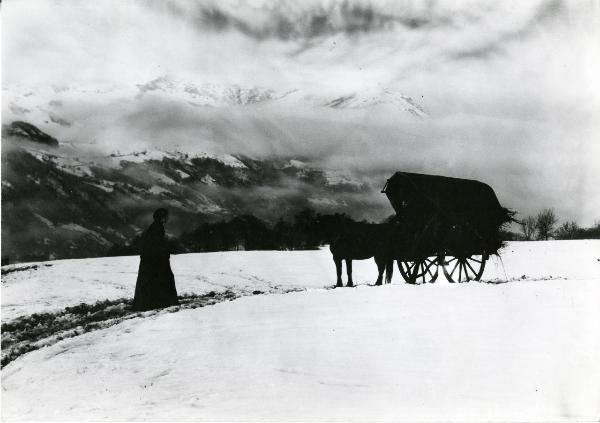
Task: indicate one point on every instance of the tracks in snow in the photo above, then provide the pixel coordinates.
(29, 333)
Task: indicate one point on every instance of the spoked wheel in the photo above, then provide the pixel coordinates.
(420, 271)
(464, 268)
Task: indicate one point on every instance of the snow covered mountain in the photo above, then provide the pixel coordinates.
(28, 132)
(66, 202)
(385, 98)
(235, 95)
(49, 107)
(124, 150)
(205, 94)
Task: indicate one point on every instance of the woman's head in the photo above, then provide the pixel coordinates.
(160, 215)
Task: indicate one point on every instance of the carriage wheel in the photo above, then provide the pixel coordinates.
(420, 271)
(464, 268)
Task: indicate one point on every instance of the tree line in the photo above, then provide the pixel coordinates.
(308, 229)
(543, 226)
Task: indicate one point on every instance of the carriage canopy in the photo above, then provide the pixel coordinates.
(415, 195)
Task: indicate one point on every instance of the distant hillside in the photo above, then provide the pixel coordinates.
(28, 132)
(56, 203)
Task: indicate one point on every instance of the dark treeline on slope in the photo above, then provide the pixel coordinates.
(544, 226)
(568, 230)
(310, 230)
(307, 230)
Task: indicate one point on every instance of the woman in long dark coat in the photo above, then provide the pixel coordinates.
(155, 287)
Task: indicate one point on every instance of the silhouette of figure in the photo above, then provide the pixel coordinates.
(155, 286)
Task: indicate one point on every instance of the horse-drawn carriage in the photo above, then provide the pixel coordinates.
(441, 221)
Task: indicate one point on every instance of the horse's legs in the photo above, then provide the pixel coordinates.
(389, 271)
(349, 272)
(338, 269)
(380, 268)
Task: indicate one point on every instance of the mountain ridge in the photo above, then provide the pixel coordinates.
(57, 203)
(51, 107)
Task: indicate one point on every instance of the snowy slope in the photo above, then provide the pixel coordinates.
(385, 98)
(524, 350)
(205, 94)
(47, 289)
(111, 195)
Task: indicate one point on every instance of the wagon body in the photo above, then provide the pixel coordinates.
(440, 216)
(457, 200)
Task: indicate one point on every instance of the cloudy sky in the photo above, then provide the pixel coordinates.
(510, 88)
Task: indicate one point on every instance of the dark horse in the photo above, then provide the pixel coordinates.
(361, 241)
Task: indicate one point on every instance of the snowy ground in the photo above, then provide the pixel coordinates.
(524, 350)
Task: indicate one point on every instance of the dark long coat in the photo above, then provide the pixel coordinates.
(155, 287)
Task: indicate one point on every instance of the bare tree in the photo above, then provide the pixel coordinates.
(568, 230)
(528, 228)
(544, 223)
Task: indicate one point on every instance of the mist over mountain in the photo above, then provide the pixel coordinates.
(207, 152)
(60, 203)
(140, 94)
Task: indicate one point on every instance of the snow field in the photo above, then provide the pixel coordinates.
(70, 282)
(467, 353)
(525, 350)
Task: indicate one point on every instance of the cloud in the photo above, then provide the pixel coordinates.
(283, 21)
(549, 10)
(512, 90)
(316, 44)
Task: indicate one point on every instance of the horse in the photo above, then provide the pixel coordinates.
(361, 241)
